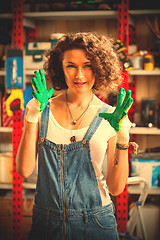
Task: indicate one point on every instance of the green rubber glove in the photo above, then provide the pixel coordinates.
(123, 105)
(40, 89)
(41, 97)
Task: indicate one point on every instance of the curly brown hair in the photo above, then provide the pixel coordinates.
(99, 50)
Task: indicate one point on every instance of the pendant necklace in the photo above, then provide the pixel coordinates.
(74, 121)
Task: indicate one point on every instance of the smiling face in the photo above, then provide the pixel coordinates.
(77, 70)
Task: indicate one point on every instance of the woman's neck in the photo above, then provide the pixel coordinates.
(79, 100)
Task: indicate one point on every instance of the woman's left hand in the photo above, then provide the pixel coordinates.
(115, 119)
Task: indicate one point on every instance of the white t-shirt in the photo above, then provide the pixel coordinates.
(98, 146)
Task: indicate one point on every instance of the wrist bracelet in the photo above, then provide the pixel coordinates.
(122, 146)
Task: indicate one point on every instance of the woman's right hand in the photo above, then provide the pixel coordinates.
(41, 95)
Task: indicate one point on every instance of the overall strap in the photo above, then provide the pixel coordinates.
(44, 121)
(95, 123)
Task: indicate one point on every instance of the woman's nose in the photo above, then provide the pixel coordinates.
(79, 74)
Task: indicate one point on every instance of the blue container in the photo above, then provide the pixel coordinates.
(147, 166)
(14, 68)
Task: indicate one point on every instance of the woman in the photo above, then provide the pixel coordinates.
(71, 139)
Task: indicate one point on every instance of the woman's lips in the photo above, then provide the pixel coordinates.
(80, 83)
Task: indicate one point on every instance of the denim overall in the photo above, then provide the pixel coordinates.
(67, 199)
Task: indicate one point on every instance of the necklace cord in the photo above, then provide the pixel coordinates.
(75, 121)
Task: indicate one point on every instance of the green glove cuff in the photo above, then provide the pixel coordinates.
(33, 113)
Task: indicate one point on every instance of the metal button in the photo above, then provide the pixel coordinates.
(42, 139)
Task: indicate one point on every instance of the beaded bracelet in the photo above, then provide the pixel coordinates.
(122, 146)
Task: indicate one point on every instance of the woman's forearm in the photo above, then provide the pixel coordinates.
(27, 150)
(118, 175)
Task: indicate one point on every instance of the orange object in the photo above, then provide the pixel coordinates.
(148, 62)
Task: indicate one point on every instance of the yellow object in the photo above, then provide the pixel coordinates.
(148, 62)
(6, 167)
(15, 94)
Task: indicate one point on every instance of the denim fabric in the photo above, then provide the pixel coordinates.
(67, 198)
(89, 224)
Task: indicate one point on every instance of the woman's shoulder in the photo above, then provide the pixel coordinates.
(100, 103)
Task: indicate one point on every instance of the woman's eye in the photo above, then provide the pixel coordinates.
(87, 66)
(70, 66)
